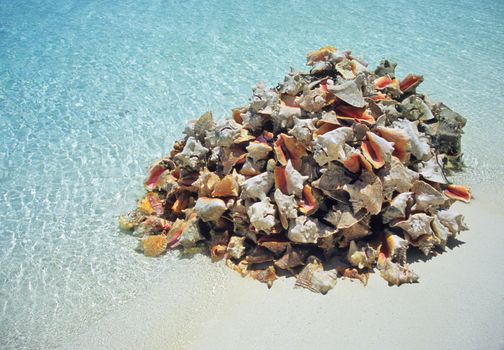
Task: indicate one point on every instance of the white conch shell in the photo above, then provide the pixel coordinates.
(397, 208)
(225, 133)
(303, 230)
(294, 180)
(384, 147)
(432, 171)
(419, 146)
(398, 178)
(192, 156)
(366, 193)
(330, 146)
(209, 209)
(418, 231)
(363, 257)
(414, 108)
(258, 150)
(314, 278)
(236, 247)
(396, 246)
(262, 215)
(452, 220)
(198, 128)
(303, 130)
(257, 187)
(349, 91)
(285, 117)
(263, 100)
(441, 232)
(394, 273)
(313, 100)
(287, 207)
(206, 183)
(427, 197)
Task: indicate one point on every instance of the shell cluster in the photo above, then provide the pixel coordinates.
(333, 173)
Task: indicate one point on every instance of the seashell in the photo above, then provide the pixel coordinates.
(333, 179)
(385, 67)
(191, 233)
(397, 207)
(431, 170)
(244, 137)
(225, 134)
(155, 172)
(285, 116)
(236, 247)
(346, 68)
(314, 278)
(192, 156)
(274, 246)
(227, 187)
(366, 193)
(356, 161)
(303, 230)
(313, 100)
(441, 232)
(396, 178)
(263, 101)
(154, 245)
(426, 197)
(209, 209)
(308, 204)
(347, 272)
(257, 187)
(377, 150)
(198, 128)
(303, 130)
(151, 204)
(267, 276)
(394, 247)
(414, 108)
(418, 231)
(180, 203)
(400, 140)
(206, 183)
(218, 252)
(260, 255)
(287, 207)
(253, 121)
(131, 221)
(363, 257)
(394, 273)
(291, 259)
(293, 84)
(152, 225)
(358, 115)
(457, 192)
(349, 91)
(386, 82)
(410, 82)
(418, 144)
(359, 230)
(321, 54)
(330, 146)
(343, 217)
(262, 215)
(176, 230)
(287, 148)
(452, 220)
(232, 156)
(289, 180)
(241, 267)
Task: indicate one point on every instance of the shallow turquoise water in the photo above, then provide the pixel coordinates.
(91, 92)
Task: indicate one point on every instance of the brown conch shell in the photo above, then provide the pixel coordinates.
(314, 278)
(363, 256)
(309, 203)
(410, 82)
(319, 55)
(427, 198)
(400, 140)
(267, 276)
(228, 186)
(394, 247)
(206, 183)
(397, 178)
(397, 207)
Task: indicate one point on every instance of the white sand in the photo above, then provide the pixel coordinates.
(459, 303)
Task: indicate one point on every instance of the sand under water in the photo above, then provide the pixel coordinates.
(92, 92)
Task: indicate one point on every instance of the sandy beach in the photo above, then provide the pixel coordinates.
(458, 303)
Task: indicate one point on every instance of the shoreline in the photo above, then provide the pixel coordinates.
(458, 303)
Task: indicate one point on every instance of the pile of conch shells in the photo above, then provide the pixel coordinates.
(333, 173)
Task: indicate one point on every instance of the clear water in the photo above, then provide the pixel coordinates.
(92, 91)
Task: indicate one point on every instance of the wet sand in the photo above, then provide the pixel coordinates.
(459, 303)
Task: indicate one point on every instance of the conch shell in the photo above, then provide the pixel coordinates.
(377, 150)
(366, 193)
(287, 207)
(262, 215)
(210, 209)
(397, 207)
(427, 198)
(236, 247)
(394, 273)
(330, 146)
(457, 192)
(258, 186)
(363, 257)
(314, 278)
